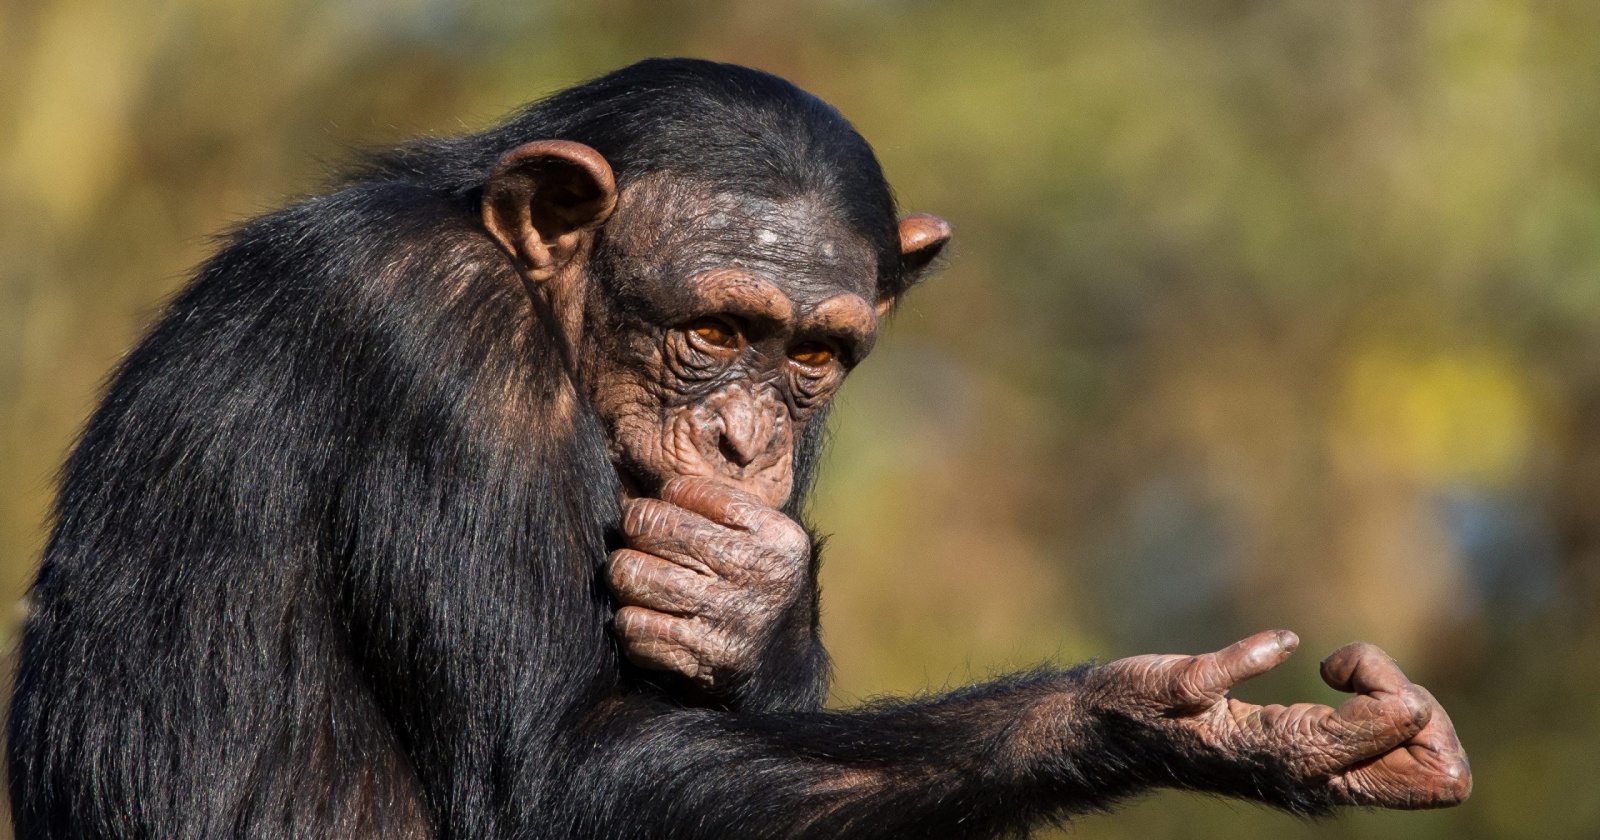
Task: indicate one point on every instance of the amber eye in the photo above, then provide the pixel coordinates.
(812, 354)
(716, 333)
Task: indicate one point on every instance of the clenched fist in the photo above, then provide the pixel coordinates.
(709, 578)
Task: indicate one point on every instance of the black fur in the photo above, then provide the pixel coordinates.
(325, 560)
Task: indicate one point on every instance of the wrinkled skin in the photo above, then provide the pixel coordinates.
(708, 572)
(742, 327)
(740, 332)
(1391, 746)
(719, 327)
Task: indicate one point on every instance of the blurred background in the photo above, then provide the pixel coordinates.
(1259, 314)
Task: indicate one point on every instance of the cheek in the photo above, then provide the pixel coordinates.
(688, 440)
(809, 393)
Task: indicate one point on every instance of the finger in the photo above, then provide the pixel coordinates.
(657, 641)
(1369, 725)
(728, 506)
(645, 580)
(1364, 669)
(655, 517)
(1389, 710)
(1429, 771)
(1399, 780)
(666, 530)
(1439, 736)
(721, 503)
(1250, 658)
(1321, 741)
(1205, 678)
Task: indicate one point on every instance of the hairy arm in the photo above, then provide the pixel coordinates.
(997, 759)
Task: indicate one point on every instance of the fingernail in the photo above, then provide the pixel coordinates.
(1287, 641)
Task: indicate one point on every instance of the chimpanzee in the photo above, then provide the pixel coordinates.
(463, 502)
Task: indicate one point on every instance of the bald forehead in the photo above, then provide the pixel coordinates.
(676, 228)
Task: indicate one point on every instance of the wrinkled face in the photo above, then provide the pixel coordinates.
(728, 322)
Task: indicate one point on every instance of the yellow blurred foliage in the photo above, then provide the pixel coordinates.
(1462, 418)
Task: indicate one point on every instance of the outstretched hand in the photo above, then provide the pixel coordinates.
(1390, 746)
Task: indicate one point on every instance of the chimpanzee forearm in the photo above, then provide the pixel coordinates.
(794, 679)
(988, 761)
(588, 757)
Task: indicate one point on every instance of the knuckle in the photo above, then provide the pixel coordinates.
(1416, 705)
(1192, 683)
(733, 560)
(1459, 787)
(1367, 652)
(622, 568)
(788, 536)
(787, 577)
(773, 574)
(717, 649)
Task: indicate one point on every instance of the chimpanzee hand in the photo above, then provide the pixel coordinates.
(1391, 746)
(709, 575)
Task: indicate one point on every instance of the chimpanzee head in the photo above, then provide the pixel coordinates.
(716, 248)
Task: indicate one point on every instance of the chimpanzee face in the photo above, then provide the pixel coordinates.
(708, 325)
(723, 323)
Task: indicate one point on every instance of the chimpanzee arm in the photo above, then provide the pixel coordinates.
(960, 766)
(999, 758)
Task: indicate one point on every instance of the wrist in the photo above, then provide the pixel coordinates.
(1096, 747)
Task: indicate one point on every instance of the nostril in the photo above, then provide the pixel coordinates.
(744, 434)
(739, 453)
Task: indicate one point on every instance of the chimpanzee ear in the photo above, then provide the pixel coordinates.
(922, 237)
(541, 200)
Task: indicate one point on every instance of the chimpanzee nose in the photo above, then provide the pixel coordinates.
(746, 429)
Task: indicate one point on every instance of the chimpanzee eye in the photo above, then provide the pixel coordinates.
(812, 354)
(719, 334)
